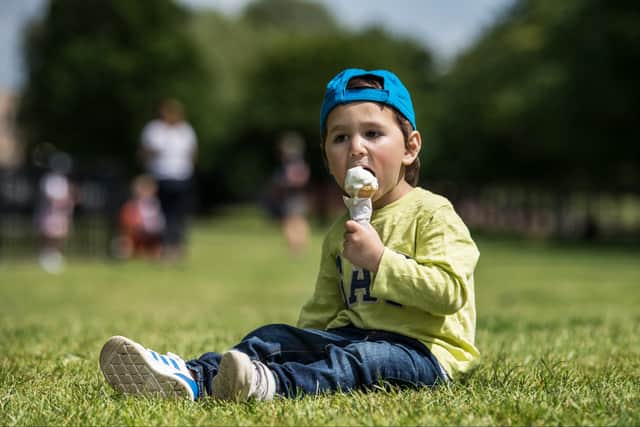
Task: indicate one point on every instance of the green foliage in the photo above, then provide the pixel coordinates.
(549, 88)
(295, 15)
(557, 328)
(97, 69)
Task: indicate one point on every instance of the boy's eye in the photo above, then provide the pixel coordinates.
(372, 134)
(340, 138)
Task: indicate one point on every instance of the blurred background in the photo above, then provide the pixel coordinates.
(528, 108)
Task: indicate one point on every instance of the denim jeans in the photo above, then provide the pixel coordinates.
(312, 361)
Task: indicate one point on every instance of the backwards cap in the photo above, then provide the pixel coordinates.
(393, 93)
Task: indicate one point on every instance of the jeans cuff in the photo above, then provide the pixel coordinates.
(199, 377)
(279, 390)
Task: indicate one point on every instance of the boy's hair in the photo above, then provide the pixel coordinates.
(369, 81)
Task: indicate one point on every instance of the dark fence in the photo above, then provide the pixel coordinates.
(545, 213)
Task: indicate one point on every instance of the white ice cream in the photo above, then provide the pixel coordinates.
(360, 184)
(357, 178)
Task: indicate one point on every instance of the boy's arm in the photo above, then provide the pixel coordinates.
(436, 280)
(326, 301)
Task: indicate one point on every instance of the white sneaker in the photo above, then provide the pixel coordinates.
(132, 369)
(240, 378)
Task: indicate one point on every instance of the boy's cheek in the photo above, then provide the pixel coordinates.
(337, 174)
(339, 183)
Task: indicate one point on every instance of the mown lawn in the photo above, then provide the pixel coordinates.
(558, 327)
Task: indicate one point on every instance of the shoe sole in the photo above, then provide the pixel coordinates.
(232, 381)
(123, 365)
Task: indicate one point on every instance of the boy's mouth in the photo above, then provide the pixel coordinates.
(367, 168)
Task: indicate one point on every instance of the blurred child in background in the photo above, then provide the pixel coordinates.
(286, 194)
(141, 221)
(54, 212)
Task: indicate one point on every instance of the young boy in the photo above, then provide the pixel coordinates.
(405, 316)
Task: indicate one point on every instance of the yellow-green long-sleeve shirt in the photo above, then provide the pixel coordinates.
(424, 286)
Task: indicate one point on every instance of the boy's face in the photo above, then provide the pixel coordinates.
(367, 134)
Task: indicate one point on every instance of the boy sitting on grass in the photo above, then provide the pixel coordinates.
(404, 316)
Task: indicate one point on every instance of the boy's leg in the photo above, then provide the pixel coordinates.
(360, 365)
(277, 343)
(308, 361)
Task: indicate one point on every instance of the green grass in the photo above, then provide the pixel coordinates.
(558, 329)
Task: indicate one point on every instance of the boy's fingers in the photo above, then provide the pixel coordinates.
(351, 226)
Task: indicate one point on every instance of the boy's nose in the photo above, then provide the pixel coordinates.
(357, 147)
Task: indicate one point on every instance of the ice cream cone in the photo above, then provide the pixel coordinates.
(360, 182)
(366, 192)
(361, 185)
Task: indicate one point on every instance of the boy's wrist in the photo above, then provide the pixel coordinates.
(376, 266)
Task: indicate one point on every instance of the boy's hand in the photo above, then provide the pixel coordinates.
(362, 245)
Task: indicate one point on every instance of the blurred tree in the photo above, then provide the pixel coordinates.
(96, 70)
(295, 15)
(232, 47)
(227, 47)
(547, 97)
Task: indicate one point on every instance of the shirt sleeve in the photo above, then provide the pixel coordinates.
(326, 301)
(437, 279)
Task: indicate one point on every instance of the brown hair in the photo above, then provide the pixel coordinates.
(171, 110)
(412, 172)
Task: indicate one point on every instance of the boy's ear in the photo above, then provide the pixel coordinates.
(412, 148)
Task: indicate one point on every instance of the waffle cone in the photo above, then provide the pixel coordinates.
(366, 192)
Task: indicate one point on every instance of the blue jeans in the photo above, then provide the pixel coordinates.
(312, 361)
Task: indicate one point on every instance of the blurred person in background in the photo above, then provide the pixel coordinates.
(168, 150)
(286, 197)
(141, 221)
(54, 212)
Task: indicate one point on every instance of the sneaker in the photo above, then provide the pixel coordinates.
(132, 369)
(240, 378)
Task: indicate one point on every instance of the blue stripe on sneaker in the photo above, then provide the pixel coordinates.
(164, 360)
(192, 384)
(173, 362)
(154, 354)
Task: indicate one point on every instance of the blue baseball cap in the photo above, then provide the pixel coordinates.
(393, 93)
